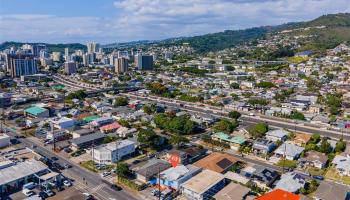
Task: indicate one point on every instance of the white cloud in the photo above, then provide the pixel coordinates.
(157, 19)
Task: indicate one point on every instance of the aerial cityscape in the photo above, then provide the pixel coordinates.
(175, 100)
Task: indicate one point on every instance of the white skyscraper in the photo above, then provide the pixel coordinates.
(66, 54)
(92, 47)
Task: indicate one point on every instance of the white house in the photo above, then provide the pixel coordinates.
(342, 164)
(113, 152)
(278, 134)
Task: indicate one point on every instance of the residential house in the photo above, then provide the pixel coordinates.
(263, 146)
(234, 141)
(301, 139)
(342, 164)
(291, 182)
(81, 132)
(289, 151)
(278, 194)
(332, 191)
(275, 135)
(232, 191)
(218, 162)
(262, 176)
(203, 186)
(315, 159)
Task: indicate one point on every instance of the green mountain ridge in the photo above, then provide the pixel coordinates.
(337, 30)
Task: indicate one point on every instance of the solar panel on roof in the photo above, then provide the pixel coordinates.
(224, 163)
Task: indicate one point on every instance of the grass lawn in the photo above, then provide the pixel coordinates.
(315, 171)
(287, 163)
(89, 165)
(333, 175)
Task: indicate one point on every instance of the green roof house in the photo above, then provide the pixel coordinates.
(234, 141)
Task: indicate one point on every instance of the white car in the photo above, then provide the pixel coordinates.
(67, 183)
(104, 174)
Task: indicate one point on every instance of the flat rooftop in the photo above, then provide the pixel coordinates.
(20, 170)
(203, 181)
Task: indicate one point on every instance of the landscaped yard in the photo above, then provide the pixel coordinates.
(287, 163)
(333, 175)
(315, 171)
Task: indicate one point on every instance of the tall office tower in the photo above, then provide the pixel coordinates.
(144, 62)
(121, 65)
(92, 57)
(44, 54)
(112, 58)
(36, 48)
(70, 67)
(92, 47)
(20, 64)
(66, 55)
(86, 60)
(56, 56)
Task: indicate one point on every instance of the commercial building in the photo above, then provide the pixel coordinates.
(20, 64)
(37, 112)
(14, 175)
(174, 177)
(113, 152)
(4, 140)
(5, 100)
(144, 62)
(121, 65)
(70, 67)
(149, 169)
(203, 186)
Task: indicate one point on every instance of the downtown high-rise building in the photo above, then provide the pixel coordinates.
(144, 62)
(20, 64)
(121, 65)
(92, 47)
(66, 54)
(70, 67)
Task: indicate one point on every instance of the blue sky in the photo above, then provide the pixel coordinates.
(107, 21)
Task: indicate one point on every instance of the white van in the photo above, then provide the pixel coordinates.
(27, 192)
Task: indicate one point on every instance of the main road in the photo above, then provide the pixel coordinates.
(87, 181)
(203, 109)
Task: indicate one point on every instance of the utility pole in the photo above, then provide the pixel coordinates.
(159, 181)
(117, 157)
(284, 157)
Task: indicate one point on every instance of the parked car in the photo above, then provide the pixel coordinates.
(115, 187)
(49, 193)
(43, 195)
(67, 183)
(54, 158)
(67, 166)
(318, 177)
(104, 174)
